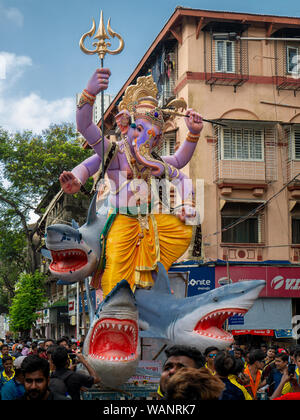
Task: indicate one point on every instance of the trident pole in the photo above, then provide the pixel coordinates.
(101, 49)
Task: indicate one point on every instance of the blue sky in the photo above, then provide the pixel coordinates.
(42, 67)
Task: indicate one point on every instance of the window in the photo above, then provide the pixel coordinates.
(242, 144)
(291, 59)
(169, 142)
(296, 230)
(225, 62)
(295, 215)
(246, 232)
(294, 143)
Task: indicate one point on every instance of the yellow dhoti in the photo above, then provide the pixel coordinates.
(132, 257)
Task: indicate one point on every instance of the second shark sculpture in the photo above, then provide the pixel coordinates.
(112, 343)
(198, 320)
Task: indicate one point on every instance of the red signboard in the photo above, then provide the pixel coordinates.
(281, 282)
(268, 333)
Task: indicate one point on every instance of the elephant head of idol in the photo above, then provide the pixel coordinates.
(142, 121)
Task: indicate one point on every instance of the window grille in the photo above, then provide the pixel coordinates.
(168, 147)
(245, 151)
(163, 67)
(287, 65)
(292, 54)
(292, 139)
(224, 56)
(225, 61)
(251, 230)
(242, 144)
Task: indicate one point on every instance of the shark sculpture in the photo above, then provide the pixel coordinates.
(74, 250)
(195, 320)
(112, 345)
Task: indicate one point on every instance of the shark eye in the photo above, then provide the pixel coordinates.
(215, 299)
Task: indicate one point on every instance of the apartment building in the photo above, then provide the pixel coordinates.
(243, 71)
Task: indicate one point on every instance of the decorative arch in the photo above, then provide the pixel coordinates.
(296, 118)
(170, 125)
(240, 114)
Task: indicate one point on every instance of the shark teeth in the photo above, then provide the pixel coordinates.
(68, 260)
(113, 358)
(114, 340)
(211, 325)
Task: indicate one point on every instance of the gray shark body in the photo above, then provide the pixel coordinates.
(75, 251)
(112, 344)
(195, 320)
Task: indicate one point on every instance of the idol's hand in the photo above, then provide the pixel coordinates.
(99, 81)
(193, 121)
(186, 213)
(69, 183)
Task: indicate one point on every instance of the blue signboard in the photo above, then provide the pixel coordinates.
(201, 279)
(93, 297)
(283, 333)
(236, 320)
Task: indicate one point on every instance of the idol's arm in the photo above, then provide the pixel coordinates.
(185, 153)
(84, 114)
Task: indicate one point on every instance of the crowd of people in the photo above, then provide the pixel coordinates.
(240, 373)
(57, 370)
(44, 370)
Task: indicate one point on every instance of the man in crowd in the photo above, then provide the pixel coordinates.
(73, 381)
(178, 357)
(4, 352)
(254, 371)
(275, 376)
(14, 389)
(210, 355)
(36, 372)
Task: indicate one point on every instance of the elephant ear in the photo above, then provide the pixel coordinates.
(123, 120)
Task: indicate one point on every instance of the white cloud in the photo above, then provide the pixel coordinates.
(11, 14)
(30, 112)
(34, 113)
(12, 68)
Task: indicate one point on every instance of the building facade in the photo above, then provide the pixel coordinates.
(243, 71)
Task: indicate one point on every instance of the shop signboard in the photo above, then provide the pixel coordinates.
(281, 282)
(201, 279)
(265, 333)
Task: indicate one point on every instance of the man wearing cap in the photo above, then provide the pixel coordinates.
(14, 388)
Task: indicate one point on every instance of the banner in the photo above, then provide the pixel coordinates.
(201, 279)
(268, 333)
(282, 282)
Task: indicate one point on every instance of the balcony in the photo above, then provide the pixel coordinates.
(287, 63)
(225, 59)
(245, 153)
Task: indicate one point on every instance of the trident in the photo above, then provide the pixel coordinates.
(101, 48)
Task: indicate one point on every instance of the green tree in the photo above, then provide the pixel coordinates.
(31, 165)
(29, 298)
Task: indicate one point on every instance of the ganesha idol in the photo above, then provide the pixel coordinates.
(138, 237)
(128, 243)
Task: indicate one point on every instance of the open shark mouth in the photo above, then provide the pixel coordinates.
(211, 325)
(115, 340)
(68, 260)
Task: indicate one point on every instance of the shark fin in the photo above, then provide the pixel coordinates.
(92, 214)
(162, 281)
(46, 253)
(75, 225)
